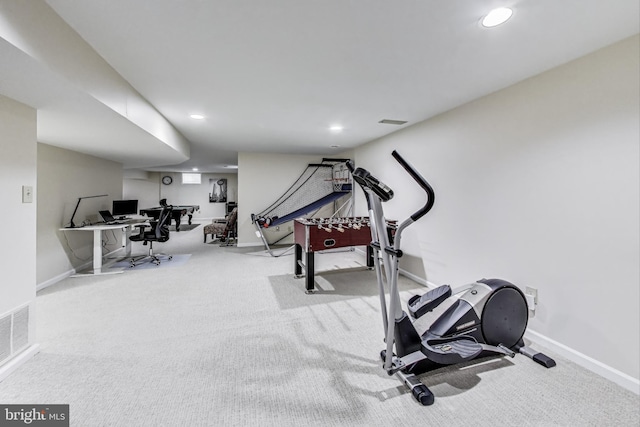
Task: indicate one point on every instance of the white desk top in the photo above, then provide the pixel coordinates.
(103, 226)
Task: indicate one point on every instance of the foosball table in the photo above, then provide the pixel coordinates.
(318, 234)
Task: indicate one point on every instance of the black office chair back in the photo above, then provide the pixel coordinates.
(162, 226)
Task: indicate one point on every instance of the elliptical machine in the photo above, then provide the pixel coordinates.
(489, 317)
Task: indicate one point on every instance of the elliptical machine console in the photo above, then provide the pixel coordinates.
(489, 317)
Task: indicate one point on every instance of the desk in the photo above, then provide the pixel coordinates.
(97, 230)
(177, 213)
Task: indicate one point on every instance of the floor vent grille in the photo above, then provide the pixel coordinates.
(5, 338)
(14, 333)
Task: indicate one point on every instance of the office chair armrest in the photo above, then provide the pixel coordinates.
(141, 227)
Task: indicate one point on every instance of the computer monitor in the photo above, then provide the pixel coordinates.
(125, 207)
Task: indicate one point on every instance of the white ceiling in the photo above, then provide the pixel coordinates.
(273, 76)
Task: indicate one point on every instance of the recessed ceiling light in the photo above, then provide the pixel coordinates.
(335, 146)
(231, 166)
(194, 169)
(497, 16)
(197, 116)
(336, 128)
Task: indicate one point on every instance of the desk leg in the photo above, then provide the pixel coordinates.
(123, 237)
(97, 251)
(98, 267)
(177, 223)
(126, 243)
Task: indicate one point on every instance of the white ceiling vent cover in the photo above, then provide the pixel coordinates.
(392, 122)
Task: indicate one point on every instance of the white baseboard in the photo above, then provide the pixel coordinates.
(250, 245)
(54, 280)
(18, 360)
(87, 265)
(415, 278)
(620, 378)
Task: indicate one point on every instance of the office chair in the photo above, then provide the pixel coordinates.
(158, 232)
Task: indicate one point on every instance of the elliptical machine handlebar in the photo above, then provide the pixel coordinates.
(431, 196)
(364, 178)
(350, 166)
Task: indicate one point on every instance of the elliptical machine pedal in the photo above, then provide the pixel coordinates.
(452, 350)
(418, 305)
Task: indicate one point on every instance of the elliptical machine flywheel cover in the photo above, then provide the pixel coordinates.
(505, 317)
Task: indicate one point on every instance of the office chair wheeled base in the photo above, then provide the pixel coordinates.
(154, 258)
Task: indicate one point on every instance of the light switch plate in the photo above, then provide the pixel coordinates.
(27, 194)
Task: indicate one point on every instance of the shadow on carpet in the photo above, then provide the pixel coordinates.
(177, 260)
(331, 286)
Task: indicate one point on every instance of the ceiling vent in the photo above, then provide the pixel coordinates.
(392, 122)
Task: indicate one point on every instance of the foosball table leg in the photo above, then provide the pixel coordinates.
(310, 271)
(297, 268)
(307, 266)
(370, 262)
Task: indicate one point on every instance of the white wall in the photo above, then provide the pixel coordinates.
(148, 190)
(537, 184)
(17, 168)
(38, 31)
(262, 179)
(63, 177)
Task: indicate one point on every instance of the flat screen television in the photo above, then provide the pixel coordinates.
(125, 207)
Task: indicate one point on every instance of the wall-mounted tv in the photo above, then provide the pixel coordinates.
(125, 207)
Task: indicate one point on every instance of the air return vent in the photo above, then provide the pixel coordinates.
(20, 338)
(392, 122)
(5, 338)
(14, 333)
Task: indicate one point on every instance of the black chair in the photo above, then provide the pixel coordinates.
(157, 231)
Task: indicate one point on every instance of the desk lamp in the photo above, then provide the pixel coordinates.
(71, 224)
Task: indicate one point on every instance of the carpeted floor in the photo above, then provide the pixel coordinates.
(231, 339)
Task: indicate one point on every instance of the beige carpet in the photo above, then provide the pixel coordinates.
(230, 339)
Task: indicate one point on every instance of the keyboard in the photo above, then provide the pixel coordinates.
(121, 221)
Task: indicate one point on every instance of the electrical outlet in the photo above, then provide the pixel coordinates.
(531, 295)
(533, 292)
